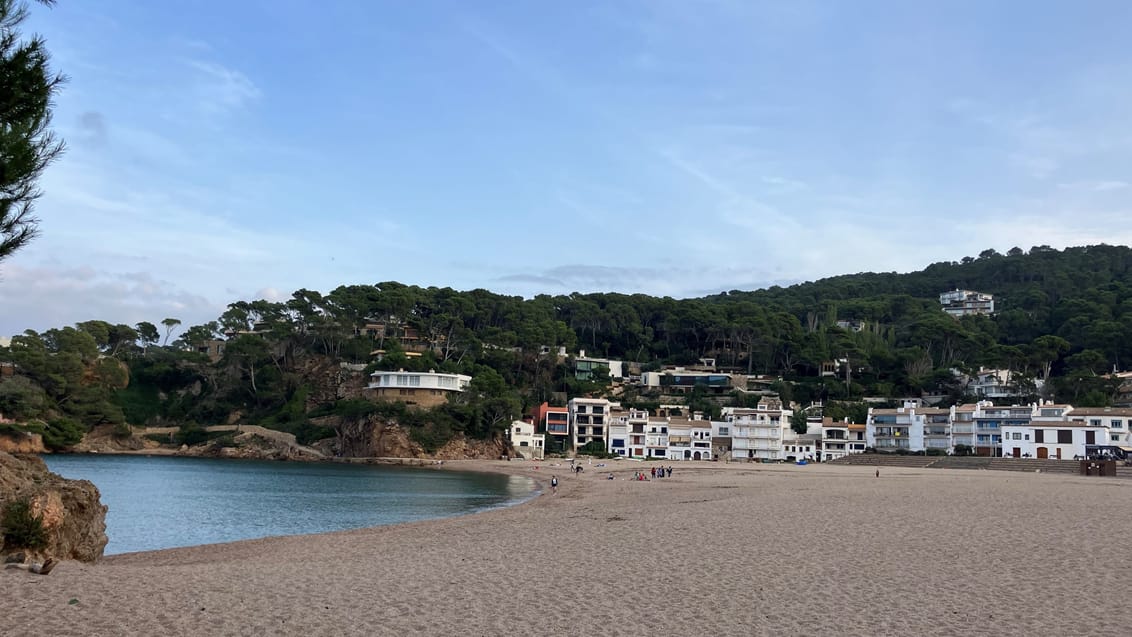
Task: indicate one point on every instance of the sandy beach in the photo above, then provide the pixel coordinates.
(716, 549)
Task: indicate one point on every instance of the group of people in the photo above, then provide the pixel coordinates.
(655, 472)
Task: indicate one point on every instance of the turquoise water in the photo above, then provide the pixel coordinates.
(162, 502)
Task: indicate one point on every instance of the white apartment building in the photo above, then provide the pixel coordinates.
(963, 425)
(525, 441)
(989, 421)
(589, 420)
(757, 434)
(909, 428)
(839, 439)
(1118, 421)
(998, 384)
(959, 303)
(689, 439)
(656, 437)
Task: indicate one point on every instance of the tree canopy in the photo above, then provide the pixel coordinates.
(1063, 318)
(27, 144)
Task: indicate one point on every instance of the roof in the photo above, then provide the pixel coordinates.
(1060, 424)
(1101, 411)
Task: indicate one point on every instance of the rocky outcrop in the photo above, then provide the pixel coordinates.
(22, 442)
(104, 439)
(254, 443)
(460, 448)
(371, 437)
(375, 437)
(70, 511)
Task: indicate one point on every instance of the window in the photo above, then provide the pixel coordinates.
(1095, 422)
(1017, 435)
(1039, 435)
(1090, 437)
(1116, 424)
(1064, 436)
(724, 431)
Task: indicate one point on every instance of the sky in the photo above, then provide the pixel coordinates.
(221, 151)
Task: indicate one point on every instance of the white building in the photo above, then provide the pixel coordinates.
(965, 302)
(839, 439)
(589, 420)
(757, 434)
(585, 366)
(1000, 384)
(963, 425)
(689, 439)
(525, 441)
(989, 421)
(627, 434)
(909, 428)
(425, 389)
(1117, 420)
(1061, 440)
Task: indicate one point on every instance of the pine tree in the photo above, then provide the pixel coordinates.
(27, 144)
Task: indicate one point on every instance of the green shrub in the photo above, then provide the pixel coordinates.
(21, 528)
(62, 432)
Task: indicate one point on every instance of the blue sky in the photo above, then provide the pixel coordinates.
(221, 151)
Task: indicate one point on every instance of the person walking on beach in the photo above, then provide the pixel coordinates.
(554, 484)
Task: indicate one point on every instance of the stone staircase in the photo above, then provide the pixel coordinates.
(885, 460)
(1030, 465)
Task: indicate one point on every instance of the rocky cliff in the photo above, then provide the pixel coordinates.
(72, 516)
(376, 437)
(21, 442)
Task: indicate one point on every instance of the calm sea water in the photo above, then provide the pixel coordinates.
(162, 502)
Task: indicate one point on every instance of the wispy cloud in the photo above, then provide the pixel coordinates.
(1095, 185)
(220, 89)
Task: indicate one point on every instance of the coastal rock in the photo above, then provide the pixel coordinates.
(254, 443)
(460, 448)
(71, 512)
(24, 442)
(375, 437)
(104, 439)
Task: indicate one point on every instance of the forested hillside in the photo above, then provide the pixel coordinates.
(1062, 316)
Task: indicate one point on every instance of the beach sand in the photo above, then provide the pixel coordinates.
(717, 549)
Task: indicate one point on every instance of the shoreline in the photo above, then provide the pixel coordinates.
(715, 549)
